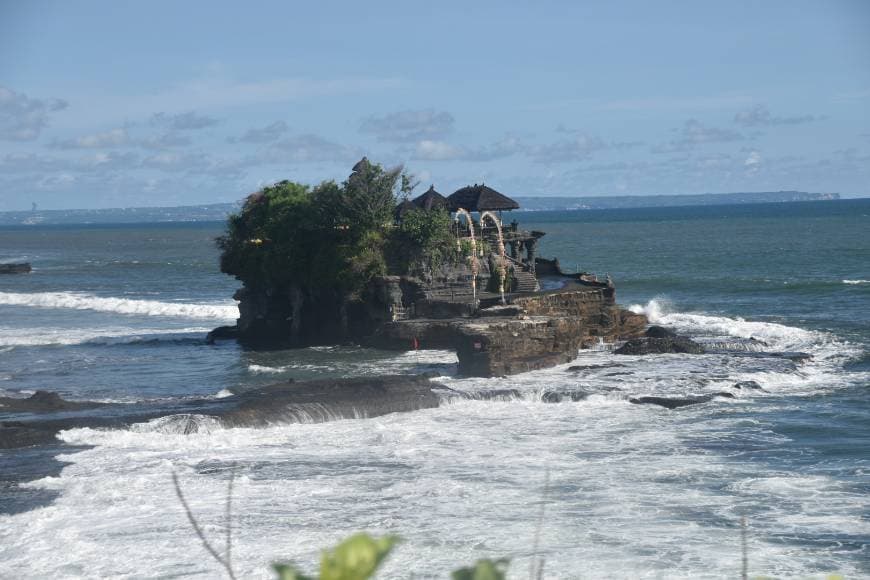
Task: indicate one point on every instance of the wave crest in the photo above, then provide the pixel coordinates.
(80, 301)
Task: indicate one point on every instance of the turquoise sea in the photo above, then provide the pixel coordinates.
(119, 313)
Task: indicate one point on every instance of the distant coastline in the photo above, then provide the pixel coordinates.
(219, 211)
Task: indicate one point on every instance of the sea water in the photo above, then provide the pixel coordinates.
(595, 488)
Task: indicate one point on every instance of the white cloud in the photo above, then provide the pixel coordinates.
(694, 133)
(437, 151)
(115, 138)
(164, 141)
(187, 121)
(409, 126)
(307, 148)
(267, 134)
(23, 118)
(760, 116)
(106, 139)
(575, 149)
(753, 159)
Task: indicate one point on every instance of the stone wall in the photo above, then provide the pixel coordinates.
(542, 331)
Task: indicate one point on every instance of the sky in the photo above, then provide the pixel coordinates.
(162, 103)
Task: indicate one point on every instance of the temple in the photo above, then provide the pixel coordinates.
(480, 289)
(503, 259)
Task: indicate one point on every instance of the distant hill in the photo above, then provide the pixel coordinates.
(636, 201)
(187, 213)
(219, 211)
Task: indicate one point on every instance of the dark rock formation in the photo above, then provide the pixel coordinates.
(43, 402)
(559, 396)
(749, 385)
(487, 395)
(22, 268)
(327, 399)
(675, 345)
(222, 333)
(552, 328)
(676, 402)
(659, 332)
(290, 401)
(795, 357)
(578, 368)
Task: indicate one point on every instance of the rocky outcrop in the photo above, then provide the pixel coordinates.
(535, 332)
(677, 402)
(670, 345)
(328, 399)
(748, 385)
(43, 402)
(655, 331)
(288, 402)
(21, 268)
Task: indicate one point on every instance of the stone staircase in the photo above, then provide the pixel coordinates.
(524, 281)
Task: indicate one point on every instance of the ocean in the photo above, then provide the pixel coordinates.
(595, 488)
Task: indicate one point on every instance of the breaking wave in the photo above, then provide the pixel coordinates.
(81, 301)
(856, 281)
(10, 339)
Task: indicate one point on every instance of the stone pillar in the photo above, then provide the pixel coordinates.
(515, 251)
(531, 246)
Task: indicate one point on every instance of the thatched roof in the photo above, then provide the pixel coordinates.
(480, 198)
(429, 200)
(404, 207)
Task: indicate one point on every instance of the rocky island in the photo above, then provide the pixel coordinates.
(346, 262)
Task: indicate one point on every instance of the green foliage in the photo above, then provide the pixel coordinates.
(356, 558)
(483, 570)
(423, 237)
(326, 241)
(368, 198)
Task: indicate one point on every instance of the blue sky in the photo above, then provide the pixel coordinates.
(117, 104)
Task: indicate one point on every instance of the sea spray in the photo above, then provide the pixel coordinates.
(82, 301)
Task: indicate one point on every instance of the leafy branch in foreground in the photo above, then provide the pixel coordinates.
(356, 558)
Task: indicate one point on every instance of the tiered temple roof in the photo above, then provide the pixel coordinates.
(430, 200)
(480, 198)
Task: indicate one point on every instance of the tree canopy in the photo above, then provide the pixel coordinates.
(332, 238)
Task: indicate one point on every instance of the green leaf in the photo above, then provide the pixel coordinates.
(483, 570)
(356, 558)
(288, 572)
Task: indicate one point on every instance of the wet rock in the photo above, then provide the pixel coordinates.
(289, 401)
(795, 357)
(329, 399)
(677, 402)
(22, 268)
(222, 333)
(659, 332)
(43, 402)
(672, 345)
(578, 368)
(749, 385)
(559, 396)
(490, 395)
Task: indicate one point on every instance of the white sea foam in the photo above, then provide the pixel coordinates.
(45, 336)
(635, 491)
(82, 301)
(659, 311)
(856, 281)
(629, 495)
